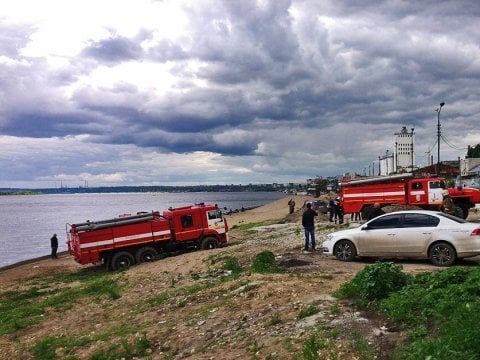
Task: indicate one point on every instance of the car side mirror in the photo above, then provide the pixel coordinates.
(366, 227)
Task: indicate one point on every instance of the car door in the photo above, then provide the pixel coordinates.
(415, 234)
(378, 237)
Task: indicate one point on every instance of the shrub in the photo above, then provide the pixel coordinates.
(231, 263)
(264, 262)
(373, 283)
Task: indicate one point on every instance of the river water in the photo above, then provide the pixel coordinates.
(27, 222)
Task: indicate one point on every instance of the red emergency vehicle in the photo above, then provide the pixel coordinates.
(404, 189)
(123, 241)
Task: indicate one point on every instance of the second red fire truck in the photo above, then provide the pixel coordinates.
(404, 189)
(123, 241)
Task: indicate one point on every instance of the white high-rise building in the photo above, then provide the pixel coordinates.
(404, 151)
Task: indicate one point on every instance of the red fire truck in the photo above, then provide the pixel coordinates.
(404, 189)
(123, 241)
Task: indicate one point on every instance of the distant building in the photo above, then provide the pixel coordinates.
(404, 156)
(469, 166)
(386, 164)
(444, 170)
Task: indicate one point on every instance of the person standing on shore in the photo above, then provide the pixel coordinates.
(291, 206)
(54, 246)
(308, 222)
(331, 210)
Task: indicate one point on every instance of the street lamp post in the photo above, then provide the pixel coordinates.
(439, 133)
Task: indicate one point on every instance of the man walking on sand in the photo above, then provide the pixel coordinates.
(308, 223)
(291, 206)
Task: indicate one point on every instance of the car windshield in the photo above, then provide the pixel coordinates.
(453, 218)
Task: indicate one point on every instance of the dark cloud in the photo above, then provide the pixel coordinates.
(279, 86)
(44, 125)
(114, 50)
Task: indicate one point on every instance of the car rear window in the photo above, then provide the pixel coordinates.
(420, 220)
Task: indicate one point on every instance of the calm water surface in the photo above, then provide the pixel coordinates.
(28, 222)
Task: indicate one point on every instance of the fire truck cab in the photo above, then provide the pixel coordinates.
(426, 191)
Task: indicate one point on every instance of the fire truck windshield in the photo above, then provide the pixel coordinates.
(215, 214)
(440, 184)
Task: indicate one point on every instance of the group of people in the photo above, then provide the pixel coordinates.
(335, 211)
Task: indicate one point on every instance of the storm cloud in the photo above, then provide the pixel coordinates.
(212, 92)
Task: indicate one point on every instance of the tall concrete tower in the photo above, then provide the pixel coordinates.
(404, 151)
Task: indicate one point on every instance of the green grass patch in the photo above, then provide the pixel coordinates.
(46, 347)
(125, 349)
(230, 263)
(23, 308)
(250, 226)
(49, 347)
(264, 262)
(307, 311)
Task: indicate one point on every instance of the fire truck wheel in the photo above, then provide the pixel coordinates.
(122, 260)
(442, 254)
(345, 250)
(146, 254)
(209, 243)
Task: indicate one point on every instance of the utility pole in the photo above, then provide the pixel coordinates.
(439, 134)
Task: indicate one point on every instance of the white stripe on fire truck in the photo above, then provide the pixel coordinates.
(123, 238)
(374, 194)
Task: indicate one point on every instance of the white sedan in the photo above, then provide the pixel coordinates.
(433, 235)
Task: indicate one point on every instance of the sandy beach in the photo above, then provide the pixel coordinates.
(276, 210)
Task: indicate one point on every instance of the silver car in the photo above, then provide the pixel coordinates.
(422, 234)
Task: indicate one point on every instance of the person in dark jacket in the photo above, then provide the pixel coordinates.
(291, 206)
(374, 211)
(331, 210)
(338, 210)
(308, 223)
(54, 246)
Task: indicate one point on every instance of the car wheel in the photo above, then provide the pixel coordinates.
(442, 254)
(345, 250)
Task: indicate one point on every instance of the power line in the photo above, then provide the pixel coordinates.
(452, 146)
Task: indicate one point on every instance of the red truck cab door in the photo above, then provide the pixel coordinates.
(188, 226)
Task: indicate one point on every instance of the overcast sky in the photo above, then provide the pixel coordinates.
(121, 92)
